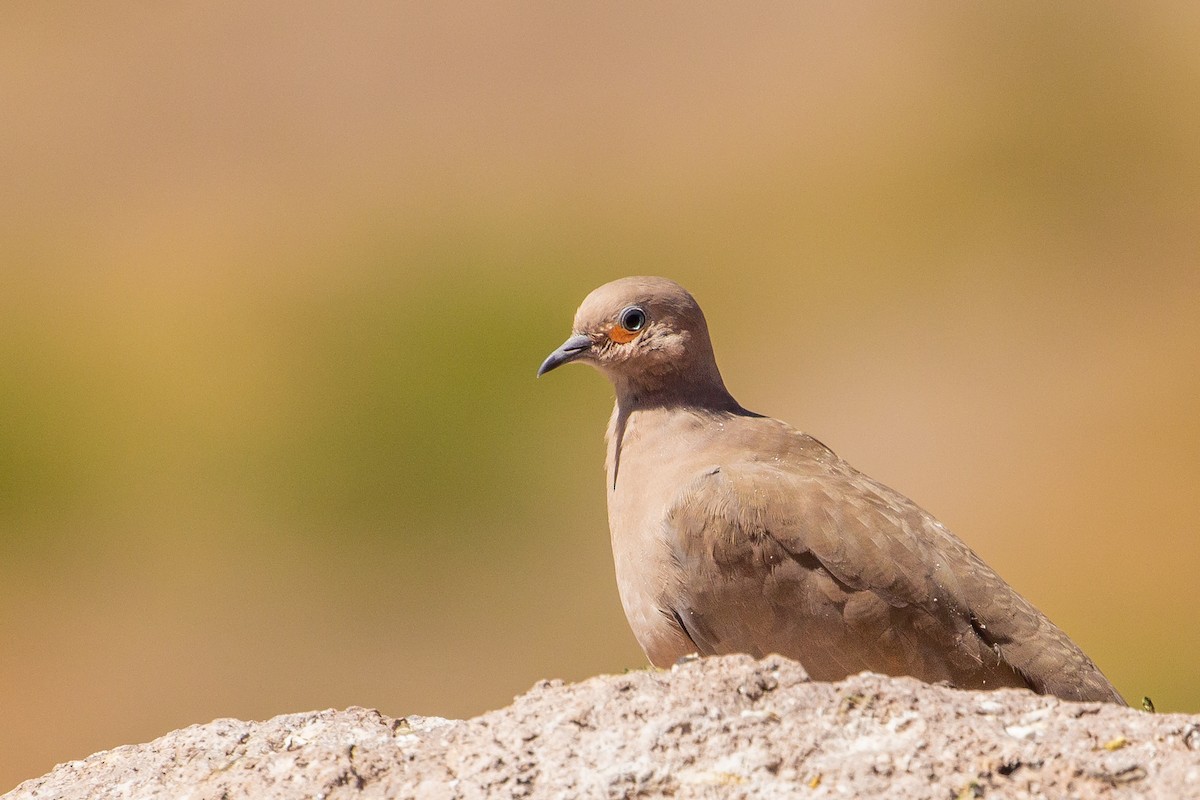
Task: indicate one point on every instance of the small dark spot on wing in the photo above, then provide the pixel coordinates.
(674, 615)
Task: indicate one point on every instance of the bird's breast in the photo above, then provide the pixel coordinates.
(647, 460)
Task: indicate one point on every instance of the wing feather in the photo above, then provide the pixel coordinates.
(812, 559)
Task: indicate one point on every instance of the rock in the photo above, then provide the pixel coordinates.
(729, 727)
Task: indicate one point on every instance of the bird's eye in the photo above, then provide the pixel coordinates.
(632, 319)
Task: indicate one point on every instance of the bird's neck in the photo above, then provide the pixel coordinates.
(699, 390)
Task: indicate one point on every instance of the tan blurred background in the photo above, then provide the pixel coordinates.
(274, 282)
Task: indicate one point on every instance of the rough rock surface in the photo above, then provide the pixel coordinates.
(726, 727)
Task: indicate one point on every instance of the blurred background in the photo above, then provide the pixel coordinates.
(275, 280)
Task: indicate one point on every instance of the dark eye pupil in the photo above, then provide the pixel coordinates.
(633, 319)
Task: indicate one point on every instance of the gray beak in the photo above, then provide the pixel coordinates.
(575, 347)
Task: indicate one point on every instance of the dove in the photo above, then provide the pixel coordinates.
(733, 532)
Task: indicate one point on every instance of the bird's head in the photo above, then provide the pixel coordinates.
(648, 336)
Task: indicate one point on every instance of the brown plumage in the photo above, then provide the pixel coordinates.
(734, 532)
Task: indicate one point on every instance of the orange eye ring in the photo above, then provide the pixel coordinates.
(621, 335)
